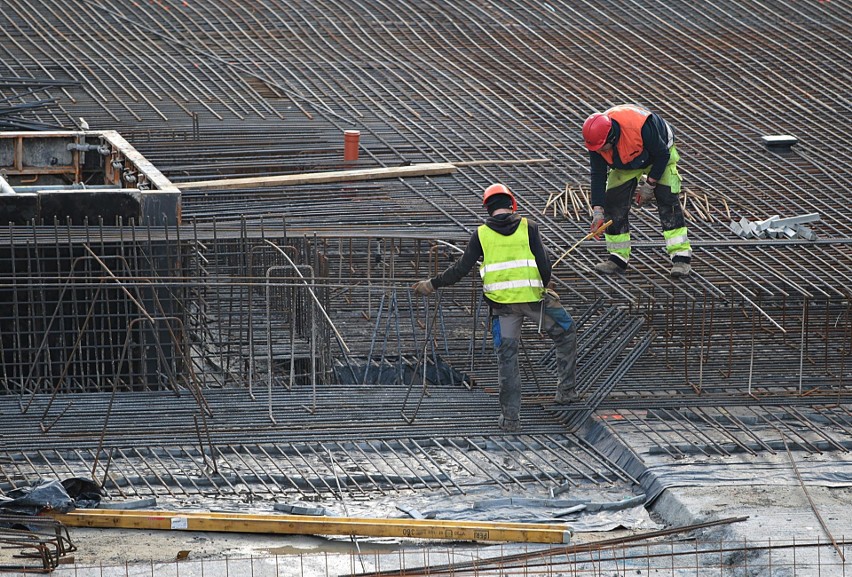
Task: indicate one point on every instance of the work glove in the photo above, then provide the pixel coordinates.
(645, 192)
(423, 287)
(643, 195)
(597, 220)
(550, 289)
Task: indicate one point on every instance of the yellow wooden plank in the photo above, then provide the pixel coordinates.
(279, 516)
(307, 525)
(426, 169)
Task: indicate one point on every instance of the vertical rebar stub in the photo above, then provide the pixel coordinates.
(350, 144)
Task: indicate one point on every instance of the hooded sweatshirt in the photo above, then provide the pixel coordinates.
(505, 224)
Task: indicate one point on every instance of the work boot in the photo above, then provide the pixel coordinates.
(608, 267)
(566, 397)
(680, 269)
(507, 425)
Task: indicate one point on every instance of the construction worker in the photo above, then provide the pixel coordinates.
(626, 143)
(515, 271)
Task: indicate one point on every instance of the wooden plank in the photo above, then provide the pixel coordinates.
(428, 169)
(501, 162)
(509, 532)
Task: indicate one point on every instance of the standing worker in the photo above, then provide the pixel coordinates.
(625, 143)
(515, 271)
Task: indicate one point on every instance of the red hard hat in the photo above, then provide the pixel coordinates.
(499, 189)
(595, 130)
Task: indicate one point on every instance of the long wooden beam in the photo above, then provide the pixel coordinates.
(307, 525)
(428, 169)
(424, 169)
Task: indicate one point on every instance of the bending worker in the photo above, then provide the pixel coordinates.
(625, 143)
(515, 271)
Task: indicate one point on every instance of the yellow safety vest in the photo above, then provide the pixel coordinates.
(509, 272)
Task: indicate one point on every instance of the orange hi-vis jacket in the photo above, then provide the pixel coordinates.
(630, 145)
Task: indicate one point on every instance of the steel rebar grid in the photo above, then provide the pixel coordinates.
(194, 61)
(222, 275)
(707, 326)
(366, 462)
(214, 279)
(781, 269)
(696, 558)
(412, 104)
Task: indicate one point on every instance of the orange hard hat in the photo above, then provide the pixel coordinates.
(595, 130)
(496, 189)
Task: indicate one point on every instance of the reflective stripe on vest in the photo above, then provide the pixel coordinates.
(511, 284)
(630, 145)
(506, 278)
(504, 265)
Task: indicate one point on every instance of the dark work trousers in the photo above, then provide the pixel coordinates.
(506, 331)
(617, 207)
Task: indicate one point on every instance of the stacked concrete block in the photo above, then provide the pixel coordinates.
(776, 227)
(805, 233)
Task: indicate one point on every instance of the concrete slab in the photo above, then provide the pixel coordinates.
(779, 515)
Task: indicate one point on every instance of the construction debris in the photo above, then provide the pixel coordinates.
(776, 227)
(293, 509)
(33, 544)
(558, 203)
(129, 504)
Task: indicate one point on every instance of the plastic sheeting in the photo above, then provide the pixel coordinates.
(42, 495)
(580, 514)
(656, 473)
(774, 470)
(51, 495)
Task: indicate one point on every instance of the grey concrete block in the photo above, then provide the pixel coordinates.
(779, 140)
(413, 513)
(294, 509)
(736, 228)
(768, 223)
(129, 505)
(805, 233)
(794, 220)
